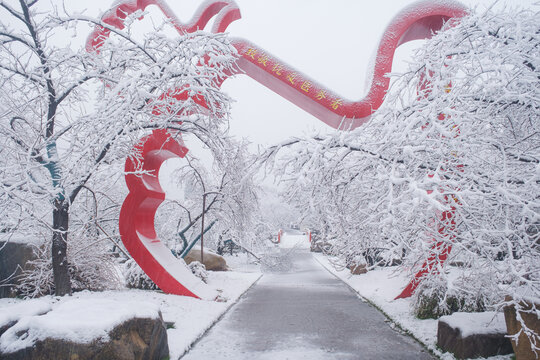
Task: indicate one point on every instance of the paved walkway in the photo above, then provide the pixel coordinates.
(303, 313)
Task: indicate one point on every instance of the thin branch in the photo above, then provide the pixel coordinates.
(24, 75)
(13, 12)
(114, 30)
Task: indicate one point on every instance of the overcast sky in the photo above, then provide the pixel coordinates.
(331, 41)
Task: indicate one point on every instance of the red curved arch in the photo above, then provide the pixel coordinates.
(418, 21)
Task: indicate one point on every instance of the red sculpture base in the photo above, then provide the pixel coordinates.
(137, 227)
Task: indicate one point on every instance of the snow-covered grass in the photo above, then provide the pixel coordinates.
(86, 316)
(380, 287)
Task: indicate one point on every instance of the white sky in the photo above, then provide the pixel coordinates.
(329, 40)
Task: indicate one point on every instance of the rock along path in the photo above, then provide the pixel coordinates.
(303, 312)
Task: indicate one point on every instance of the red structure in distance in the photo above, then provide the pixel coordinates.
(418, 21)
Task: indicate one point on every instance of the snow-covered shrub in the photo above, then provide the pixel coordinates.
(436, 296)
(199, 270)
(89, 270)
(136, 278)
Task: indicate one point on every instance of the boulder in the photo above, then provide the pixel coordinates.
(14, 258)
(357, 264)
(320, 246)
(472, 335)
(212, 261)
(358, 269)
(135, 339)
(522, 347)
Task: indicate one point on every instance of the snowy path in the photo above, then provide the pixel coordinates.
(305, 313)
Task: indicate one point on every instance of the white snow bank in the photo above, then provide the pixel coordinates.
(380, 287)
(12, 310)
(75, 319)
(86, 316)
(489, 322)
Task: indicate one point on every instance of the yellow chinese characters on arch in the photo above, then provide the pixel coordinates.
(251, 53)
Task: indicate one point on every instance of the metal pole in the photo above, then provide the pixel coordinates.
(202, 227)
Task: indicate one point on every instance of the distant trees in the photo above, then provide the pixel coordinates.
(69, 118)
(458, 132)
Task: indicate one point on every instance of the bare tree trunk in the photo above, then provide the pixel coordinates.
(62, 280)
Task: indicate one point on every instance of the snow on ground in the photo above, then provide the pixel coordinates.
(380, 287)
(86, 316)
(242, 262)
(12, 309)
(294, 239)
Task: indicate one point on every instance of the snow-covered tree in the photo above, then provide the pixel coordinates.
(228, 191)
(69, 117)
(458, 135)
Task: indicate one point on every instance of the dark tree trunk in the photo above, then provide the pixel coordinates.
(62, 280)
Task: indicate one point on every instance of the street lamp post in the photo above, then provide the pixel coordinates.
(202, 220)
(202, 226)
